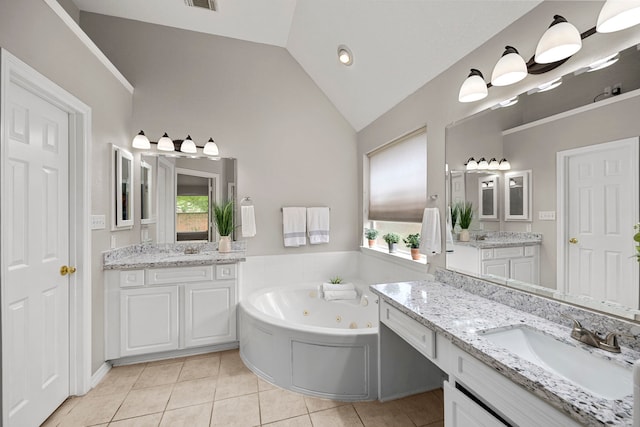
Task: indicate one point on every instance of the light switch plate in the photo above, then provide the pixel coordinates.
(547, 215)
(98, 222)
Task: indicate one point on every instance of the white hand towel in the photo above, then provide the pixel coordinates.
(338, 287)
(294, 227)
(430, 234)
(337, 295)
(248, 221)
(318, 225)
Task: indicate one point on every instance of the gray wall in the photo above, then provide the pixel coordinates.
(293, 147)
(30, 30)
(436, 103)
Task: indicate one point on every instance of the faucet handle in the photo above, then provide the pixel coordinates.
(576, 324)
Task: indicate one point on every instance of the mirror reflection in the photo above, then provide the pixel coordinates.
(567, 206)
(146, 186)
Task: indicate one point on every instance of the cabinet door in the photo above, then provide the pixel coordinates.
(498, 268)
(209, 313)
(461, 411)
(525, 269)
(148, 320)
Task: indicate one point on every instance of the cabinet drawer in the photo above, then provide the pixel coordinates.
(530, 250)
(225, 271)
(507, 252)
(486, 253)
(164, 276)
(129, 278)
(419, 336)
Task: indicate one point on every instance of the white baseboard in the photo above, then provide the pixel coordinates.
(100, 373)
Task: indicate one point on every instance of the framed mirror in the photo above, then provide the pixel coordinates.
(122, 188)
(146, 193)
(517, 196)
(488, 197)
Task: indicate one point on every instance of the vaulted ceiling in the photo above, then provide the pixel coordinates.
(397, 45)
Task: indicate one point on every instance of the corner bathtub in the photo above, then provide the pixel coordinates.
(294, 339)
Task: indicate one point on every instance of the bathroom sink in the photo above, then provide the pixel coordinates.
(597, 375)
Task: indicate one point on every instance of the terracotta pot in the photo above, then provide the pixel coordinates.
(415, 254)
(392, 247)
(372, 242)
(224, 245)
(464, 235)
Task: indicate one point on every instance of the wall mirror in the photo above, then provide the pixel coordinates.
(146, 193)
(122, 167)
(517, 196)
(488, 197)
(185, 191)
(535, 135)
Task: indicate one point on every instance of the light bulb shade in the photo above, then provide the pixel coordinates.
(510, 69)
(493, 164)
(474, 88)
(210, 148)
(165, 143)
(141, 141)
(188, 146)
(504, 165)
(618, 15)
(483, 164)
(472, 164)
(560, 41)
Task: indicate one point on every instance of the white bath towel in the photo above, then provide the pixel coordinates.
(294, 227)
(248, 221)
(338, 287)
(338, 295)
(449, 232)
(430, 234)
(318, 225)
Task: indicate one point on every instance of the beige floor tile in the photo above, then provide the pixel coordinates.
(191, 416)
(301, 421)
(422, 408)
(152, 420)
(434, 424)
(92, 410)
(200, 368)
(166, 361)
(315, 404)
(236, 386)
(193, 392)
(276, 405)
(119, 379)
(231, 364)
(343, 416)
(265, 385)
(61, 412)
(243, 411)
(203, 355)
(378, 414)
(144, 401)
(158, 375)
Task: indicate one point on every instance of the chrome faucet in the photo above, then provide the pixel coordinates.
(584, 335)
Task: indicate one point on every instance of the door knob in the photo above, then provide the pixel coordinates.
(64, 270)
(573, 240)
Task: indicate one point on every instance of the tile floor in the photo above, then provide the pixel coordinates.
(216, 389)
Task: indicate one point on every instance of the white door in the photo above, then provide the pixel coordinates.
(35, 244)
(601, 209)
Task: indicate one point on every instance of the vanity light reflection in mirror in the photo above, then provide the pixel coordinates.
(542, 135)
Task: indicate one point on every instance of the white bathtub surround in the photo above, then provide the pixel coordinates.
(248, 221)
(430, 239)
(318, 225)
(458, 316)
(294, 226)
(293, 338)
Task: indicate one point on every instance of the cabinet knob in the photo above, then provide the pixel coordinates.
(65, 269)
(573, 240)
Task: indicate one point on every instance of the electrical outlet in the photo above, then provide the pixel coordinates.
(528, 228)
(113, 242)
(98, 222)
(547, 215)
(607, 91)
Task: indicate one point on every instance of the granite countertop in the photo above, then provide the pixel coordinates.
(171, 255)
(497, 243)
(459, 316)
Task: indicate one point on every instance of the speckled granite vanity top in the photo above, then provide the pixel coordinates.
(459, 316)
(501, 239)
(171, 255)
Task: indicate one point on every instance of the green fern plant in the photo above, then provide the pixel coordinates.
(223, 217)
(465, 214)
(335, 280)
(454, 216)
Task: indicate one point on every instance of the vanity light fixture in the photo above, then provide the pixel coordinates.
(211, 148)
(188, 146)
(618, 15)
(604, 62)
(493, 164)
(344, 55)
(474, 87)
(471, 164)
(165, 143)
(548, 86)
(504, 165)
(506, 103)
(510, 69)
(483, 164)
(560, 41)
(141, 141)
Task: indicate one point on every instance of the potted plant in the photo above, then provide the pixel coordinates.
(223, 218)
(371, 234)
(465, 216)
(413, 242)
(454, 216)
(392, 239)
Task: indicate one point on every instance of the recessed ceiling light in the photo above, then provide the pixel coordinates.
(344, 55)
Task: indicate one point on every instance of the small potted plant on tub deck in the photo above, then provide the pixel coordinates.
(413, 242)
(223, 217)
(465, 216)
(392, 239)
(371, 234)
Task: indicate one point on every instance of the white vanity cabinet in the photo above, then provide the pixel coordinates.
(520, 263)
(165, 309)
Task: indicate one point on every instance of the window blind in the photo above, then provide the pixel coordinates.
(398, 179)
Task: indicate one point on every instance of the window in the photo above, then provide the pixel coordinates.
(397, 186)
